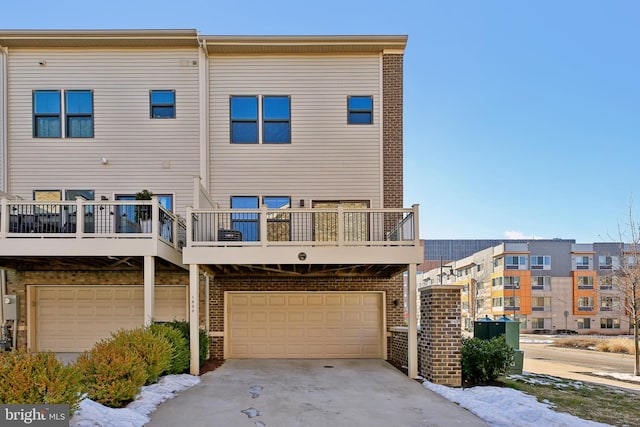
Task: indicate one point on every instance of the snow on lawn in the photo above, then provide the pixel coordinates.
(93, 414)
(503, 406)
(619, 376)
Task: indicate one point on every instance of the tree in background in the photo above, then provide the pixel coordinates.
(628, 278)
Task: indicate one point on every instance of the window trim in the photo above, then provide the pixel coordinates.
(153, 105)
(69, 116)
(265, 121)
(351, 111)
(38, 115)
(259, 121)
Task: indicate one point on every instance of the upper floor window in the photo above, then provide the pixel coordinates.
(512, 282)
(585, 303)
(585, 282)
(79, 110)
(515, 262)
(607, 262)
(541, 303)
(360, 110)
(606, 282)
(46, 114)
(540, 283)
(541, 262)
(609, 303)
(276, 119)
(582, 262)
(276, 116)
(162, 104)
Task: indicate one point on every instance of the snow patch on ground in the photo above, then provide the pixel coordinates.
(92, 414)
(501, 406)
(619, 376)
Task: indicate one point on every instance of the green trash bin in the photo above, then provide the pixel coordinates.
(487, 329)
(518, 361)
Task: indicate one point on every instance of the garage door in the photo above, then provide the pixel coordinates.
(72, 319)
(304, 325)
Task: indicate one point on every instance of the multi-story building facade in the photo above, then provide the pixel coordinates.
(547, 285)
(277, 221)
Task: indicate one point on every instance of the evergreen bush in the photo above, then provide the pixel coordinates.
(154, 350)
(39, 378)
(485, 360)
(180, 355)
(113, 373)
(205, 341)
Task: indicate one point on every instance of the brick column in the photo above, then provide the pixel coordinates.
(392, 129)
(440, 340)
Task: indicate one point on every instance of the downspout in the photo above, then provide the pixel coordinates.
(4, 55)
(203, 101)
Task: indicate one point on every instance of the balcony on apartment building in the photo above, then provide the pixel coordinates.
(88, 229)
(303, 240)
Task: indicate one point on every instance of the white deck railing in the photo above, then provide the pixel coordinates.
(89, 219)
(302, 227)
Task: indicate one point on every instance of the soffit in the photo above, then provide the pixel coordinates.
(257, 45)
(98, 38)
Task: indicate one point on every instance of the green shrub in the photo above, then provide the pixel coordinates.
(203, 338)
(180, 355)
(113, 373)
(485, 360)
(38, 378)
(154, 350)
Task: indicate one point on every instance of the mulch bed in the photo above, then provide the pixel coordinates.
(210, 365)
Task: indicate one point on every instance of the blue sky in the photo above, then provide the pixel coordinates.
(522, 118)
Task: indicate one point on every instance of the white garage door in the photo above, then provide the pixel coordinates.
(304, 325)
(73, 318)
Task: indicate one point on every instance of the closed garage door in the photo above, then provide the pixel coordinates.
(304, 325)
(72, 319)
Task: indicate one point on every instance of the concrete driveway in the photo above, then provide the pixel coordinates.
(309, 393)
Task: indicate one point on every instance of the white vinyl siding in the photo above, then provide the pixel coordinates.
(159, 155)
(3, 125)
(327, 158)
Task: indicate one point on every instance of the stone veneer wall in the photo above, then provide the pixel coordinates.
(220, 284)
(440, 342)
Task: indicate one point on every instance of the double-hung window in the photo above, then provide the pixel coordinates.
(78, 114)
(162, 104)
(260, 119)
(360, 110)
(276, 117)
(46, 114)
(79, 111)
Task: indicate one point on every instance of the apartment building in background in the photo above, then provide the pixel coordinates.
(547, 285)
(277, 221)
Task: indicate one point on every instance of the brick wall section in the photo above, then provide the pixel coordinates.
(220, 284)
(17, 282)
(399, 346)
(392, 80)
(440, 340)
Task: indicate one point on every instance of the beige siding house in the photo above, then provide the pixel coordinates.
(277, 222)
